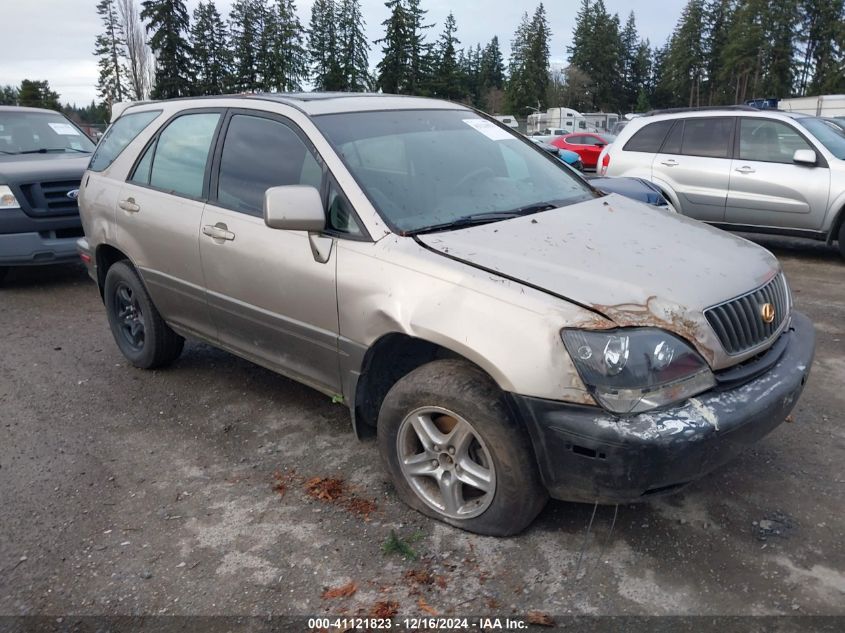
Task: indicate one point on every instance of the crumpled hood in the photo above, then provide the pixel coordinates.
(635, 264)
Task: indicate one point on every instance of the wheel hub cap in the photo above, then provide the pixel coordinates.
(446, 462)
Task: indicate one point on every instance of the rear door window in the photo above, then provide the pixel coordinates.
(181, 154)
(650, 138)
(710, 138)
(119, 135)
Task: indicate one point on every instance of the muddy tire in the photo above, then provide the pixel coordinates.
(454, 453)
(138, 329)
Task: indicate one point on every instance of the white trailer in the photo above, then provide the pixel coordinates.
(601, 121)
(557, 121)
(822, 105)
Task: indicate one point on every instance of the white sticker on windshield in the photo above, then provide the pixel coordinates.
(489, 129)
(65, 129)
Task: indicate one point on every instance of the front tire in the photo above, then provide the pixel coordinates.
(454, 453)
(138, 329)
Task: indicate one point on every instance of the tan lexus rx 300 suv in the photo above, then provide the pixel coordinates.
(507, 332)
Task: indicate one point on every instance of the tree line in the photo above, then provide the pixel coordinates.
(720, 52)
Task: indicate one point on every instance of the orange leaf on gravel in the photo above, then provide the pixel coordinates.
(340, 592)
(540, 619)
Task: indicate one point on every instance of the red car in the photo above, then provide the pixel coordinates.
(587, 145)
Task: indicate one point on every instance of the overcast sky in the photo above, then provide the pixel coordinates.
(54, 39)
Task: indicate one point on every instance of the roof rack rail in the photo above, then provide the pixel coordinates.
(744, 108)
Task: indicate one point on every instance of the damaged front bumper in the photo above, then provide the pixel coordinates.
(587, 454)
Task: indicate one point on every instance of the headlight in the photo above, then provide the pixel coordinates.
(7, 198)
(631, 370)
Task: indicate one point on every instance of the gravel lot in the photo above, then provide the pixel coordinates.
(191, 491)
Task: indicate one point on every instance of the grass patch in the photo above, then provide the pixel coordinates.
(395, 544)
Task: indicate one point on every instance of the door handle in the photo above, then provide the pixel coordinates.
(219, 231)
(745, 169)
(129, 205)
(669, 163)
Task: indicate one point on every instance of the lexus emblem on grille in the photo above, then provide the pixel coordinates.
(73, 194)
(767, 312)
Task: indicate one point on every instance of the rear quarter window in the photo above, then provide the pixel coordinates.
(649, 138)
(119, 135)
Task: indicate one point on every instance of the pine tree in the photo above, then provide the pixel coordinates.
(353, 46)
(597, 50)
(822, 43)
(518, 98)
(246, 28)
(419, 51)
(717, 18)
(685, 62)
(630, 49)
(110, 47)
(211, 58)
(446, 81)
(326, 71)
(38, 94)
(394, 67)
(285, 61)
(492, 66)
(168, 22)
(742, 56)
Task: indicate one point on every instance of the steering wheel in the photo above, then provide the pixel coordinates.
(473, 175)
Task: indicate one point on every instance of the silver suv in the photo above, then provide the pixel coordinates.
(505, 330)
(741, 168)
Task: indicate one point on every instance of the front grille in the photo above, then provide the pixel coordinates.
(739, 323)
(50, 198)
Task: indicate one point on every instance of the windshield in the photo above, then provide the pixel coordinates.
(430, 168)
(832, 138)
(24, 132)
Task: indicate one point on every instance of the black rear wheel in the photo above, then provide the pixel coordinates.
(138, 329)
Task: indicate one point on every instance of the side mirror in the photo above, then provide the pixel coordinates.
(601, 144)
(804, 157)
(294, 208)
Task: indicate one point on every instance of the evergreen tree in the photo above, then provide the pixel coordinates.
(528, 81)
(717, 16)
(38, 94)
(353, 46)
(211, 58)
(743, 54)
(246, 28)
(168, 22)
(597, 51)
(822, 43)
(284, 64)
(630, 47)
(492, 69)
(8, 95)
(419, 51)
(326, 71)
(685, 61)
(447, 80)
(394, 67)
(640, 78)
(110, 47)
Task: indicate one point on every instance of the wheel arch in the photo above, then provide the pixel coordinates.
(389, 359)
(105, 256)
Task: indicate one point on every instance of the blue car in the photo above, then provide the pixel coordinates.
(563, 155)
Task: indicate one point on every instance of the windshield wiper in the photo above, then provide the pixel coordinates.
(44, 150)
(485, 218)
(467, 220)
